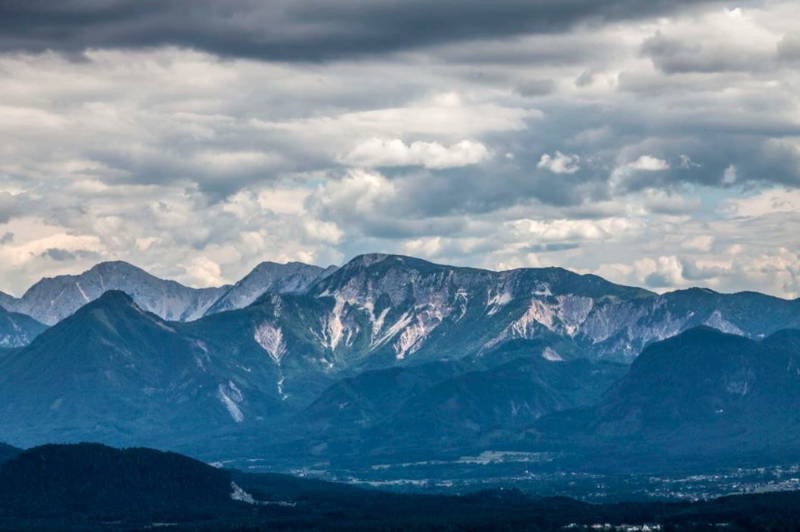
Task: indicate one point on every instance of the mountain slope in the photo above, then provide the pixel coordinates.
(704, 379)
(451, 404)
(292, 277)
(6, 300)
(7, 452)
(53, 299)
(700, 393)
(17, 330)
(126, 376)
(382, 310)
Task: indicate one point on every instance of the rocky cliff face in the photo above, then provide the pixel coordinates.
(399, 308)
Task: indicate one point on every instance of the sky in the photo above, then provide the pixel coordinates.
(653, 142)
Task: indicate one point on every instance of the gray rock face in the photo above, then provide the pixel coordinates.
(292, 277)
(385, 306)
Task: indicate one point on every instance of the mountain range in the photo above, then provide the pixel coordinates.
(394, 358)
(53, 299)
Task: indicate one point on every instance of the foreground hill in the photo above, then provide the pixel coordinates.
(7, 452)
(90, 486)
(90, 481)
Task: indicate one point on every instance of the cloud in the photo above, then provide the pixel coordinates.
(633, 174)
(789, 47)
(767, 202)
(559, 163)
(648, 163)
(8, 206)
(379, 152)
(200, 144)
(706, 45)
(294, 30)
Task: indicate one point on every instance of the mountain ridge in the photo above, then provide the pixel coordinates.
(17, 330)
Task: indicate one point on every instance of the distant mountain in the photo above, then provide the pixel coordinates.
(292, 277)
(706, 379)
(124, 375)
(53, 299)
(17, 330)
(6, 300)
(379, 310)
(396, 350)
(702, 392)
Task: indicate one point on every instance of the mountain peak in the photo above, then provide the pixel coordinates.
(368, 259)
(115, 265)
(112, 297)
(268, 277)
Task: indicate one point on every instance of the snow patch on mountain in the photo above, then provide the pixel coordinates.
(551, 355)
(238, 494)
(394, 329)
(497, 301)
(231, 397)
(537, 314)
(270, 338)
(335, 327)
(718, 322)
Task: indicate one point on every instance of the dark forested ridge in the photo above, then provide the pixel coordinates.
(7, 452)
(94, 487)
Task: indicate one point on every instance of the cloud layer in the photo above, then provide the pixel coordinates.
(632, 139)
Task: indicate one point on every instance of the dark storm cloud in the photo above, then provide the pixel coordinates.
(296, 30)
(65, 255)
(674, 55)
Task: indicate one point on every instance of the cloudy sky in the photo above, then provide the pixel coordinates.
(654, 142)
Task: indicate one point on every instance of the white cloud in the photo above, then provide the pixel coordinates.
(561, 230)
(560, 163)
(699, 243)
(378, 152)
(648, 163)
(202, 271)
(771, 201)
(627, 173)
